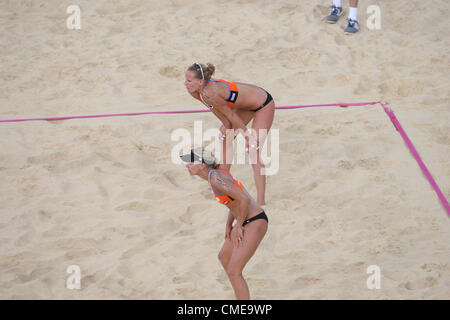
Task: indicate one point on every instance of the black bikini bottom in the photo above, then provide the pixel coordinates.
(261, 215)
(269, 98)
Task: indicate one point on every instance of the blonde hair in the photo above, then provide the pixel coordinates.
(208, 70)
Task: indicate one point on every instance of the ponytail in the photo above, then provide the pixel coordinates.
(201, 71)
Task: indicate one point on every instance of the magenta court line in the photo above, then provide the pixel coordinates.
(422, 166)
(386, 109)
(181, 111)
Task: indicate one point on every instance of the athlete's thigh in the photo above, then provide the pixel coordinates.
(245, 115)
(253, 234)
(226, 251)
(263, 120)
(264, 117)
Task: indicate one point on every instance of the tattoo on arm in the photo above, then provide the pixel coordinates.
(210, 98)
(221, 182)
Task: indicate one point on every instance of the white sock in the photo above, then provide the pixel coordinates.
(353, 13)
(337, 3)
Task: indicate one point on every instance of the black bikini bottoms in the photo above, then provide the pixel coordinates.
(261, 215)
(269, 98)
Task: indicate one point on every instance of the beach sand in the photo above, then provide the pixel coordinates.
(104, 195)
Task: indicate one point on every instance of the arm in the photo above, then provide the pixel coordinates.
(236, 234)
(223, 111)
(230, 219)
(226, 123)
(221, 184)
(237, 123)
(229, 226)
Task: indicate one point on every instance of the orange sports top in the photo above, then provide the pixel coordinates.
(223, 198)
(234, 92)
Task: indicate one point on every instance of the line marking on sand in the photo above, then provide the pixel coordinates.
(388, 111)
(415, 154)
(180, 111)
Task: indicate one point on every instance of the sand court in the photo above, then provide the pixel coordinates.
(104, 195)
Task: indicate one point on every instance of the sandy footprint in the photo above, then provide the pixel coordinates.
(188, 292)
(77, 254)
(134, 206)
(289, 9)
(140, 248)
(173, 176)
(320, 12)
(194, 213)
(304, 282)
(419, 284)
(45, 215)
(441, 134)
(109, 158)
(93, 278)
(369, 163)
(345, 164)
(35, 274)
(126, 271)
(102, 190)
(26, 238)
(154, 194)
(173, 72)
(185, 233)
(33, 190)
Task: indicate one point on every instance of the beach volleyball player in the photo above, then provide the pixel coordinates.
(235, 104)
(242, 239)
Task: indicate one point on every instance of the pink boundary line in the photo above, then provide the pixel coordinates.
(182, 111)
(388, 111)
(422, 166)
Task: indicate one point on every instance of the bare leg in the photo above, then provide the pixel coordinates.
(225, 253)
(353, 3)
(227, 144)
(227, 151)
(263, 120)
(260, 179)
(253, 234)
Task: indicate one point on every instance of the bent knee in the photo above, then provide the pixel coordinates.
(234, 272)
(221, 257)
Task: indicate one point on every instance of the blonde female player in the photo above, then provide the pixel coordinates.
(235, 104)
(242, 239)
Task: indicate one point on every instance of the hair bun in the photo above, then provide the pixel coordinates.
(211, 69)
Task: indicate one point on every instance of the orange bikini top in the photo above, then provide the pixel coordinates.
(234, 92)
(223, 198)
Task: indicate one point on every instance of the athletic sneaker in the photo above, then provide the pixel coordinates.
(336, 12)
(352, 27)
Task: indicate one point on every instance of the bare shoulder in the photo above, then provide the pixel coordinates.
(220, 179)
(224, 183)
(216, 90)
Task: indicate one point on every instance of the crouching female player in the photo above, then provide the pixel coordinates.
(243, 238)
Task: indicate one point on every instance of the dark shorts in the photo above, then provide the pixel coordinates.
(269, 98)
(261, 215)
